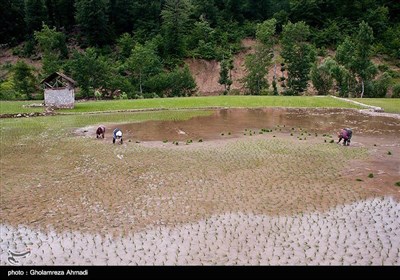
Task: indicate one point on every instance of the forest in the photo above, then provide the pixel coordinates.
(137, 48)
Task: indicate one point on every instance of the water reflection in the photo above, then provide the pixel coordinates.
(235, 122)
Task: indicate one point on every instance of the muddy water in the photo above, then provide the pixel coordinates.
(236, 122)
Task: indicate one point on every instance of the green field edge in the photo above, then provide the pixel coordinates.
(192, 103)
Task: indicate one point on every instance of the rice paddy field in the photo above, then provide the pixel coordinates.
(201, 187)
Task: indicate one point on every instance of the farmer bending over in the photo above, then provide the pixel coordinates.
(117, 134)
(345, 134)
(100, 131)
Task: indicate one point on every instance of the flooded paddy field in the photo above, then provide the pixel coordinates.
(236, 186)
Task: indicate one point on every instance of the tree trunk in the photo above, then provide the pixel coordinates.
(362, 88)
(140, 84)
(230, 80)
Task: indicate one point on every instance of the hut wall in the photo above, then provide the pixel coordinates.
(59, 98)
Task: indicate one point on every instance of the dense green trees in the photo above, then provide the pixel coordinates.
(202, 40)
(23, 79)
(54, 48)
(12, 26)
(299, 56)
(142, 64)
(225, 74)
(175, 15)
(35, 14)
(115, 36)
(354, 54)
(111, 18)
(175, 83)
(90, 70)
(257, 64)
(92, 18)
(321, 77)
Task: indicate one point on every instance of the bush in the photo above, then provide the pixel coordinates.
(322, 52)
(396, 91)
(289, 92)
(383, 67)
(234, 92)
(394, 74)
(178, 82)
(7, 94)
(17, 51)
(379, 87)
(150, 95)
(124, 95)
(7, 91)
(97, 94)
(138, 96)
(29, 48)
(321, 78)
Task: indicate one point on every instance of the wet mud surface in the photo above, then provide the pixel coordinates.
(236, 121)
(153, 201)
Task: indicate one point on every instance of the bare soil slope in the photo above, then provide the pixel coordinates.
(206, 72)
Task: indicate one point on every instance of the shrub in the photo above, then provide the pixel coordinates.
(396, 91)
(234, 92)
(97, 94)
(29, 48)
(289, 92)
(379, 87)
(7, 91)
(383, 67)
(124, 95)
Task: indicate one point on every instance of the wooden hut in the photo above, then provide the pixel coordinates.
(59, 91)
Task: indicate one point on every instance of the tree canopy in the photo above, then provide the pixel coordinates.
(115, 35)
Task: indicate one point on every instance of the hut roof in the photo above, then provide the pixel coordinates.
(53, 76)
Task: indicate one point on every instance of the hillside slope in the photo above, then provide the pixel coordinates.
(207, 72)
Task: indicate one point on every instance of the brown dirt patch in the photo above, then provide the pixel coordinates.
(88, 184)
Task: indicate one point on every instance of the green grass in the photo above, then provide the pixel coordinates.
(195, 102)
(14, 107)
(390, 105)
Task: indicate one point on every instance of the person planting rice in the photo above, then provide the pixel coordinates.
(345, 134)
(117, 134)
(101, 130)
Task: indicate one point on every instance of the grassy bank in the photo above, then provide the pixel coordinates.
(15, 107)
(191, 102)
(390, 105)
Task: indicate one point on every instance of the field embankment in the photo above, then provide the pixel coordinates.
(9, 107)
